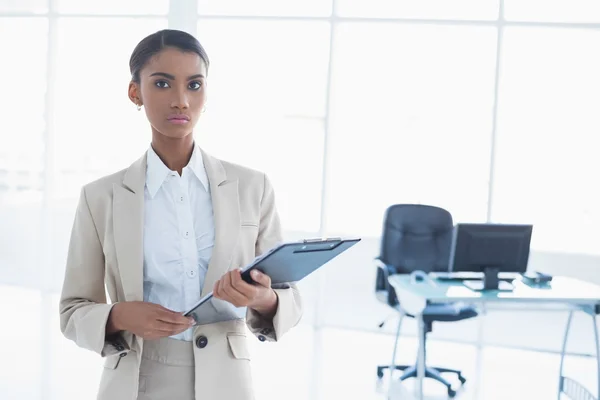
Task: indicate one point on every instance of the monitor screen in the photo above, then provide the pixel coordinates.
(490, 248)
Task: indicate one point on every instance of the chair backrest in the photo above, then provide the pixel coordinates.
(416, 237)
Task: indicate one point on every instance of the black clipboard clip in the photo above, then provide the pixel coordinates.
(319, 244)
(316, 240)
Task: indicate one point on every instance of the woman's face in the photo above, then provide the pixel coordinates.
(172, 89)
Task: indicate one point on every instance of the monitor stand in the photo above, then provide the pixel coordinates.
(490, 282)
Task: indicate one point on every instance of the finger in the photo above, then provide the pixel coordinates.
(165, 311)
(167, 329)
(221, 285)
(237, 283)
(217, 289)
(230, 293)
(260, 278)
(174, 318)
(233, 296)
(241, 286)
(162, 329)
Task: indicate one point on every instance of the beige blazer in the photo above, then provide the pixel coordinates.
(106, 256)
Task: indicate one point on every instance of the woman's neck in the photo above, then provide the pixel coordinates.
(174, 153)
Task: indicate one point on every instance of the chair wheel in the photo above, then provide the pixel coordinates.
(462, 379)
(379, 372)
(451, 393)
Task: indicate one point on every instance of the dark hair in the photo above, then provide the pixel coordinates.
(153, 44)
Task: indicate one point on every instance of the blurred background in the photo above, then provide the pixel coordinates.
(487, 108)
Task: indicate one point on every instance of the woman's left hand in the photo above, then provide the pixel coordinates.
(259, 296)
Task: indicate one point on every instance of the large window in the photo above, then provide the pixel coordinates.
(420, 9)
(22, 124)
(97, 129)
(32, 6)
(266, 106)
(113, 7)
(553, 11)
(20, 378)
(313, 8)
(22, 129)
(411, 122)
(548, 121)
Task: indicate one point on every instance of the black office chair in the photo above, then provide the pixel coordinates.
(418, 237)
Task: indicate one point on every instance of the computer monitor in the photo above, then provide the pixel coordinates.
(491, 249)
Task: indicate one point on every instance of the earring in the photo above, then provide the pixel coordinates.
(139, 107)
(204, 109)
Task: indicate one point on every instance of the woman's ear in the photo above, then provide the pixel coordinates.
(134, 93)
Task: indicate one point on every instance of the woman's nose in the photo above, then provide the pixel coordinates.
(180, 101)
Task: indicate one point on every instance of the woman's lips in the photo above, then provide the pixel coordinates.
(178, 119)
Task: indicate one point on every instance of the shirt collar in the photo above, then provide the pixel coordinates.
(196, 164)
(157, 171)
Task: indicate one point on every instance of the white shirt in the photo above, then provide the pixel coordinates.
(179, 234)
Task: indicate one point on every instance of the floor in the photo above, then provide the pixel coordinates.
(37, 363)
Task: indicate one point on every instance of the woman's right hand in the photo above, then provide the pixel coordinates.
(146, 320)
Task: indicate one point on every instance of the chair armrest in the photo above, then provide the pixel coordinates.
(383, 273)
(382, 284)
(379, 264)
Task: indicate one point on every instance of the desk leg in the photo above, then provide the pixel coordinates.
(393, 363)
(562, 353)
(421, 357)
(479, 357)
(597, 340)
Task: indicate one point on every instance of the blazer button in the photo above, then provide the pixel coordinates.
(266, 331)
(262, 338)
(201, 342)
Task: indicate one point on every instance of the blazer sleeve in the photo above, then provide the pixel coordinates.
(289, 307)
(83, 309)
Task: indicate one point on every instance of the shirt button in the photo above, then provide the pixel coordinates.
(186, 235)
(191, 273)
(181, 199)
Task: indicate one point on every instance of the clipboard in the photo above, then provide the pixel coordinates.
(285, 263)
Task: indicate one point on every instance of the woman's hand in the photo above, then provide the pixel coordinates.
(146, 320)
(260, 297)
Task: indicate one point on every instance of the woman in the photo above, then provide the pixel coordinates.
(160, 234)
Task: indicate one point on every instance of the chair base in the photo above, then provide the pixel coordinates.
(410, 371)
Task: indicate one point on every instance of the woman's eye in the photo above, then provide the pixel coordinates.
(162, 84)
(195, 85)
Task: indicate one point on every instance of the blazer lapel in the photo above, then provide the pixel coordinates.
(226, 209)
(128, 223)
